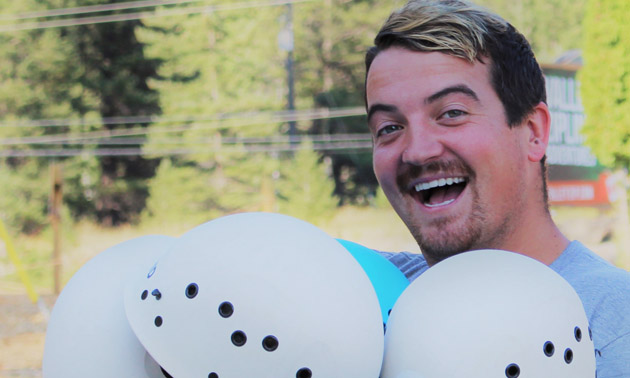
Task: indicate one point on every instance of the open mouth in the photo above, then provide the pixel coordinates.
(440, 192)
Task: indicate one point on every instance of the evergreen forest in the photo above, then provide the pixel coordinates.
(182, 111)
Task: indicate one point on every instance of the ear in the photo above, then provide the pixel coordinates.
(538, 124)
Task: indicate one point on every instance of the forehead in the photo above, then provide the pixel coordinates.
(398, 73)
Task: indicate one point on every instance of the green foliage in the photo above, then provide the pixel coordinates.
(332, 37)
(244, 181)
(305, 189)
(605, 80)
(551, 27)
(117, 75)
(180, 195)
(35, 72)
(210, 76)
(216, 63)
(35, 67)
(75, 72)
(220, 64)
(81, 186)
(24, 197)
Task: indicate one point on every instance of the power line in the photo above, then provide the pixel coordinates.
(142, 15)
(61, 122)
(92, 9)
(235, 122)
(277, 139)
(346, 147)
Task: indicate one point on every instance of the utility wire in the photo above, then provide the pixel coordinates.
(275, 117)
(346, 147)
(333, 112)
(141, 15)
(92, 9)
(278, 139)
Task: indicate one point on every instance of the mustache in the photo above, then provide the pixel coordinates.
(408, 172)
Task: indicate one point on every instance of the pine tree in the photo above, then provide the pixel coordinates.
(116, 72)
(305, 189)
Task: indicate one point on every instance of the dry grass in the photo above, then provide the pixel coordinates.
(377, 228)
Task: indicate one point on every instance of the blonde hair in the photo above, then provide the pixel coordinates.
(453, 27)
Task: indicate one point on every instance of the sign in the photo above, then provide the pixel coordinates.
(566, 144)
(575, 175)
(581, 193)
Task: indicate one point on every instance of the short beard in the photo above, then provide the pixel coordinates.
(448, 243)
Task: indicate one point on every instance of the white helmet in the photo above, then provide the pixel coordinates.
(258, 295)
(485, 314)
(88, 334)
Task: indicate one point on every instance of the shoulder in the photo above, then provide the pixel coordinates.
(585, 270)
(605, 293)
(411, 265)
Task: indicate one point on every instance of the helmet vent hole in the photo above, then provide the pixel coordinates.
(512, 371)
(192, 290)
(578, 334)
(144, 295)
(270, 343)
(304, 373)
(156, 293)
(568, 355)
(239, 338)
(158, 321)
(226, 309)
(549, 349)
(213, 375)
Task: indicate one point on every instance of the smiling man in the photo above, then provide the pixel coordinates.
(457, 109)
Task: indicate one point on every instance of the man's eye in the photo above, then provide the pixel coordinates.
(454, 113)
(387, 130)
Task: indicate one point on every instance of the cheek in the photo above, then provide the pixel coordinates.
(503, 172)
(384, 164)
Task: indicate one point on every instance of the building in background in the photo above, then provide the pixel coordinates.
(586, 198)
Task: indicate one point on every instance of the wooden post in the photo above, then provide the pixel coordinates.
(55, 220)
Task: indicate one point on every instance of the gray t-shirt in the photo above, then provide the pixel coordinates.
(603, 289)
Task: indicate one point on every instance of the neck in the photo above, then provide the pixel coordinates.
(539, 239)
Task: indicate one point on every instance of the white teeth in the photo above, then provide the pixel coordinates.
(439, 183)
(439, 204)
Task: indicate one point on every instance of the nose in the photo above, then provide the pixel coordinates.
(422, 146)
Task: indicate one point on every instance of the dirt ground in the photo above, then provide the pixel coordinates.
(22, 333)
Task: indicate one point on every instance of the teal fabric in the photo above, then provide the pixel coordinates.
(387, 280)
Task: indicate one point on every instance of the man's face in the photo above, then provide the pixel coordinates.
(443, 153)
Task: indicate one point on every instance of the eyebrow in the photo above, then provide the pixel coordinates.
(454, 89)
(380, 108)
(461, 88)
